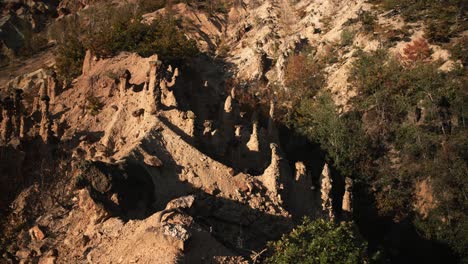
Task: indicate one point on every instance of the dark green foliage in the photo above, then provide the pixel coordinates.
(69, 57)
(120, 29)
(407, 124)
(321, 242)
(109, 30)
(318, 119)
(444, 19)
(347, 37)
(459, 50)
(420, 112)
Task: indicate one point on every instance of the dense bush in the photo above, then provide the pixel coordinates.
(321, 242)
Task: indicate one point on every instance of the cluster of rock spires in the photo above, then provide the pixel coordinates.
(145, 130)
(17, 124)
(253, 149)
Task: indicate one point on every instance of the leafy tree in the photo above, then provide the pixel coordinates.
(321, 242)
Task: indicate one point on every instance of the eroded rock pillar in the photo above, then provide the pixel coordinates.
(326, 182)
(45, 127)
(347, 205)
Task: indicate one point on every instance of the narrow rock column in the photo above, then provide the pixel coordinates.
(45, 128)
(238, 132)
(168, 97)
(154, 92)
(253, 144)
(52, 86)
(326, 188)
(17, 111)
(87, 62)
(233, 93)
(301, 175)
(207, 128)
(272, 131)
(347, 205)
(6, 128)
(124, 78)
(271, 175)
(42, 91)
(228, 120)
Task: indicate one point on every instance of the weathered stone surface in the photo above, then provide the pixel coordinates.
(181, 202)
(176, 231)
(36, 233)
(94, 211)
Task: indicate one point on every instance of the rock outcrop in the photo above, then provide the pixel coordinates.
(347, 205)
(326, 182)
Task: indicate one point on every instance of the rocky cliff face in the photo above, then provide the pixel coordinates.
(134, 161)
(131, 152)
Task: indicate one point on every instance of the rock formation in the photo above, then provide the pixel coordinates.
(302, 177)
(154, 93)
(254, 142)
(87, 62)
(124, 79)
(326, 182)
(272, 175)
(45, 126)
(228, 120)
(18, 111)
(7, 123)
(271, 130)
(168, 97)
(347, 205)
(52, 86)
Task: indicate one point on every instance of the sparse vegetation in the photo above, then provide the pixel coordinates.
(347, 37)
(444, 19)
(302, 75)
(94, 105)
(416, 52)
(368, 20)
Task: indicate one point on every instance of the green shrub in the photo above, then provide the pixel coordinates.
(347, 37)
(321, 242)
(94, 105)
(69, 57)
